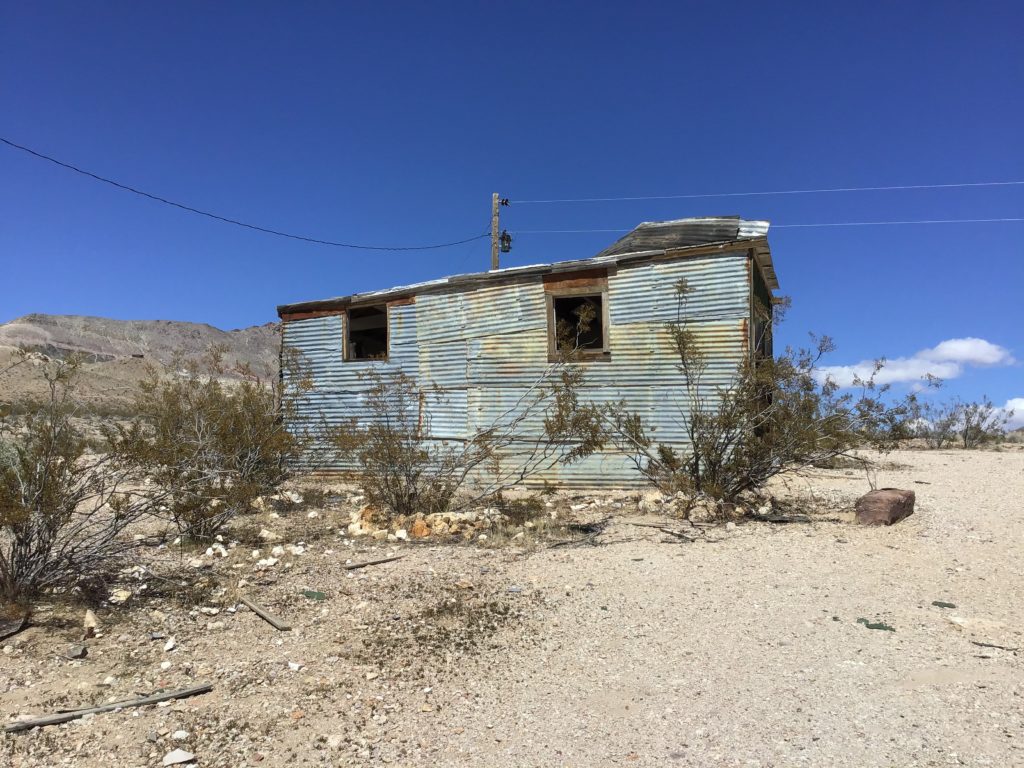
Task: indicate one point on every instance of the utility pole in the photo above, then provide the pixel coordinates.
(494, 231)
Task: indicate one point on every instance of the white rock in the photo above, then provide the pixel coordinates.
(401, 534)
(277, 551)
(120, 596)
(179, 735)
(165, 665)
(294, 666)
(268, 535)
(171, 644)
(177, 757)
(313, 515)
(209, 611)
(293, 496)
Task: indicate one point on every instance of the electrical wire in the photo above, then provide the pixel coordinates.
(783, 226)
(776, 192)
(237, 223)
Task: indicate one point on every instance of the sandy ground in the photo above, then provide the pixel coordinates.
(743, 649)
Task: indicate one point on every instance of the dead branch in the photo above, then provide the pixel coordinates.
(364, 564)
(270, 618)
(993, 645)
(64, 717)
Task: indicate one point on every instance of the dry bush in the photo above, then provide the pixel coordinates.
(776, 415)
(980, 423)
(404, 471)
(211, 446)
(969, 424)
(63, 512)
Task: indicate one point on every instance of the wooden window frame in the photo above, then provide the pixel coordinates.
(346, 347)
(583, 355)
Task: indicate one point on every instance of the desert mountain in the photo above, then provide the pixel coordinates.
(117, 352)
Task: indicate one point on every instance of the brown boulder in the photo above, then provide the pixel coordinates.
(420, 529)
(885, 506)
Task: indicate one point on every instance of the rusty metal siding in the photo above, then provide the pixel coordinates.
(477, 352)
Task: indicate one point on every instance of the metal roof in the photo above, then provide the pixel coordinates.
(650, 239)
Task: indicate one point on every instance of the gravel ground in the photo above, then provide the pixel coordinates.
(742, 649)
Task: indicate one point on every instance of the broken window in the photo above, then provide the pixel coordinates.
(579, 323)
(367, 333)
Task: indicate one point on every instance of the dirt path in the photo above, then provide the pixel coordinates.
(742, 651)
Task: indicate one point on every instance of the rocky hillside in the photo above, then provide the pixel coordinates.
(118, 352)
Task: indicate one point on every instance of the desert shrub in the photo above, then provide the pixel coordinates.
(403, 470)
(63, 512)
(934, 423)
(979, 423)
(776, 415)
(209, 444)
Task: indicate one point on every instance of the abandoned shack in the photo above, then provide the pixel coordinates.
(474, 344)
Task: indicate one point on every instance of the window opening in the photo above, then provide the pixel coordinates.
(579, 322)
(368, 333)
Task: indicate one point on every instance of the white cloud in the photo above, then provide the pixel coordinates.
(1015, 404)
(946, 360)
(968, 351)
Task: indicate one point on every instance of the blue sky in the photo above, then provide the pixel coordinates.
(392, 124)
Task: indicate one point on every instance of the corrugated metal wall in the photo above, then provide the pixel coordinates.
(476, 352)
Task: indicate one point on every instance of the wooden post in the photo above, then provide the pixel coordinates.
(494, 231)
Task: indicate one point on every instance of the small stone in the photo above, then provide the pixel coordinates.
(177, 757)
(294, 666)
(109, 681)
(171, 644)
(401, 534)
(334, 741)
(730, 526)
(152, 737)
(119, 596)
(76, 652)
(179, 735)
(165, 665)
(313, 515)
(90, 623)
(420, 529)
(268, 535)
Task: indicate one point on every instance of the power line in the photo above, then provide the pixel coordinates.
(237, 223)
(785, 226)
(777, 192)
